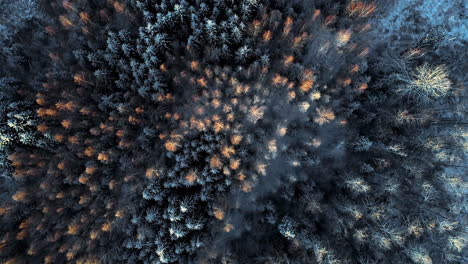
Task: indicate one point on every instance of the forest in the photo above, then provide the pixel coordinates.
(233, 131)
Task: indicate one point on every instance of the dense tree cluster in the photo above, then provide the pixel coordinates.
(20, 53)
(235, 131)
